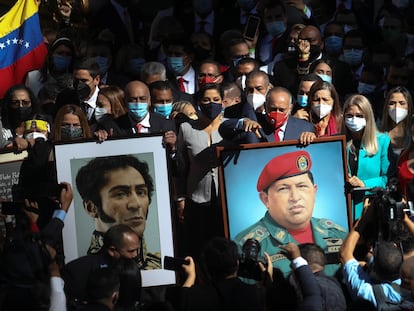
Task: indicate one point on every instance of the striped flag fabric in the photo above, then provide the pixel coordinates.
(21, 44)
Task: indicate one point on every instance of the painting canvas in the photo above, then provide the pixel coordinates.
(79, 225)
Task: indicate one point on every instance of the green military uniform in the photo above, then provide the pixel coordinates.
(146, 261)
(326, 234)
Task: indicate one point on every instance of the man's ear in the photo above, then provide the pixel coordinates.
(90, 208)
(111, 251)
(115, 297)
(263, 198)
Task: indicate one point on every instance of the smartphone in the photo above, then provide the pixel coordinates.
(174, 263)
(253, 23)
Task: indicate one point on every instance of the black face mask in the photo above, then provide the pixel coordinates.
(233, 111)
(83, 90)
(19, 114)
(315, 51)
(211, 110)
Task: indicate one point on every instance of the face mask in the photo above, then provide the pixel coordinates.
(401, 4)
(35, 135)
(256, 100)
(21, 113)
(69, 132)
(246, 5)
(164, 109)
(321, 110)
(397, 114)
(276, 28)
(211, 110)
(277, 118)
(302, 100)
(139, 109)
(205, 80)
(365, 88)
(176, 64)
(103, 64)
(203, 6)
(333, 44)
(135, 65)
(315, 51)
(325, 78)
(236, 61)
(83, 90)
(355, 124)
(99, 113)
(61, 63)
(353, 57)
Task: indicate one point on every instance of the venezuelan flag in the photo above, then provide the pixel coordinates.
(21, 44)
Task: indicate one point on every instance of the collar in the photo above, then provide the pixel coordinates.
(190, 74)
(146, 121)
(92, 101)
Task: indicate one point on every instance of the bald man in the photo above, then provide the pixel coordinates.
(138, 100)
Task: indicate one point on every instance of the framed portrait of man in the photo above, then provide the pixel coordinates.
(283, 192)
(119, 181)
(10, 163)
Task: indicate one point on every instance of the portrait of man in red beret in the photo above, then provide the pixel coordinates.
(287, 189)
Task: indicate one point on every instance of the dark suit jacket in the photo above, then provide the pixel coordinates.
(310, 289)
(158, 123)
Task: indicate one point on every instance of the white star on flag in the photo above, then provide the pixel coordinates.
(14, 41)
(26, 45)
(2, 45)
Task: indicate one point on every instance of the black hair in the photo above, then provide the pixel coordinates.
(92, 177)
(219, 258)
(90, 65)
(114, 236)
(102, 283)
(159, 85)
(388, 259)
(313, 254)
(130, 280)
(209, 86)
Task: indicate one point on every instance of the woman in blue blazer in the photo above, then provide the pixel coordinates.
(369, 152)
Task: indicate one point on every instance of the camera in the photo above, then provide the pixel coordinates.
(249, 260)
(174, 263)
(389, 212)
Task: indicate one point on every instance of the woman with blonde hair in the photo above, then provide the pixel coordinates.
(396, 117)
(369, 152)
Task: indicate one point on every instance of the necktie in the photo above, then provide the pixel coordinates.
(276, 134)
(181, 84)
(139, 127)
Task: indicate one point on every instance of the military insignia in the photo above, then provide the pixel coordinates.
(333, 241)
(333, 249)
(259, 232)
(320, 230)
(280, 235)
(250, 235)
(302, 163)
(277, 257)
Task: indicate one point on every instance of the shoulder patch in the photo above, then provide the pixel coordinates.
(259, 233)
(329, 224)
(277, 257)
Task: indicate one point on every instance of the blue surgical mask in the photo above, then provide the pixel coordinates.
(61, 63)
(211, 110)
(276, 28)
(333, 44)
(176, 64)
(236, 61)
(325, 78)
(100, 112)
(164, 109)
(353, 57)
(365, 88)
(103, 64)
(302, 100)
(135, 65)
(138, 109)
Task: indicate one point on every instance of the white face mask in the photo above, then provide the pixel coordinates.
(100, 112)
(322, 110)
(256, 100)
(355, 124)
(35, 135)
(397, 114)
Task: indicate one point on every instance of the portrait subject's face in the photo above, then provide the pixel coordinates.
(290, 201)
(124, 199)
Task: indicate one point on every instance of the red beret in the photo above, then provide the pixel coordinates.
(283, 166)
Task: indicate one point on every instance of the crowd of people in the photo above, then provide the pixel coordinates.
(205, 74)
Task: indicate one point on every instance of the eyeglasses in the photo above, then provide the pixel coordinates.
(20, 103)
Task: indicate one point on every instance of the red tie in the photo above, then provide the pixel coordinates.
(139, 127)
(181, 84)
(277, 138)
